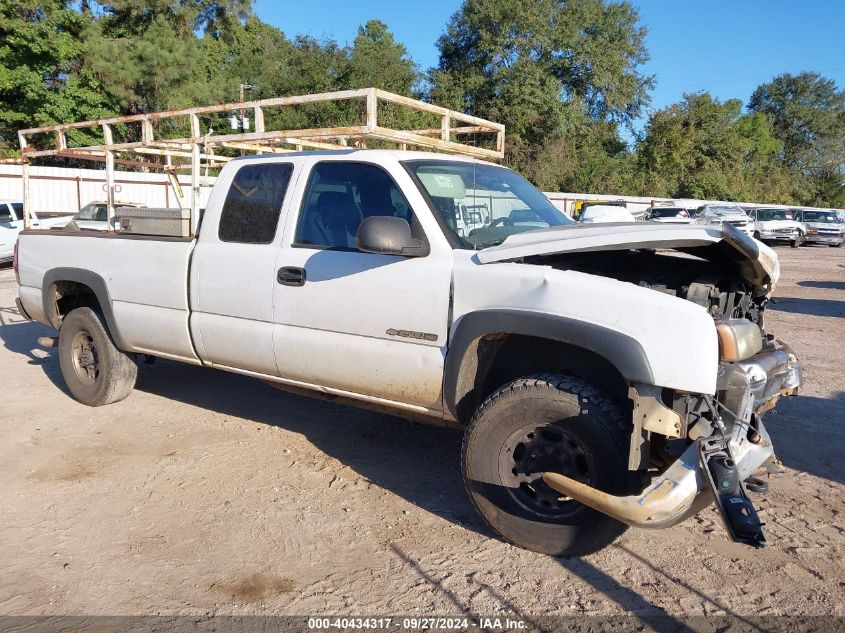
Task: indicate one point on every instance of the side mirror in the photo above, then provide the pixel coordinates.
(388, 235)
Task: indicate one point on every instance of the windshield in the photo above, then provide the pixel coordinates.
(669, 212)
(825, 217)
(766, 215)
(507, 202)
(93, 211)
(723, 210)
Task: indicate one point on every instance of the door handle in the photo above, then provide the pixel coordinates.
(291, 276)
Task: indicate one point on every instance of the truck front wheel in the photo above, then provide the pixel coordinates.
(95, 371)
(545, 423)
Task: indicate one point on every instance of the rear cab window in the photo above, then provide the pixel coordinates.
(253, 203)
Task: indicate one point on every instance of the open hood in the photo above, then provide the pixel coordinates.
(758, 263)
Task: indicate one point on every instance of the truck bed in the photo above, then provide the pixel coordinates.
(146, 280)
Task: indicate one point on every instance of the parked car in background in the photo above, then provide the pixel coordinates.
(668, 215)
(583, 205)
(596, 213)
(718, 214)
(777, 225)
(94, 215)
(823, 227)
(11, 223)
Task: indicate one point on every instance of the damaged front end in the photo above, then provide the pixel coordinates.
(718, 442)
(699, 449)
(692, 448)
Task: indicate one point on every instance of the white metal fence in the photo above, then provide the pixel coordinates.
(62, 190)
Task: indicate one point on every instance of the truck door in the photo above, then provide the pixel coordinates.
(233, 267)
(359, 322)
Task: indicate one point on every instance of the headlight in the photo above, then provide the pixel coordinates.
(738, 339)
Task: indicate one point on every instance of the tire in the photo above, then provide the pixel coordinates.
(757, 235)
(576, 430)
(795, 243)
(95, 371)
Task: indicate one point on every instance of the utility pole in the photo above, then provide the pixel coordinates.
(241, 111)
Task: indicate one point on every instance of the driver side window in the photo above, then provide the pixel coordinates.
(339, 197)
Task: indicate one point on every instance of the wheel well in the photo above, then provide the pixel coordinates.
(69, 295)
(499, 358)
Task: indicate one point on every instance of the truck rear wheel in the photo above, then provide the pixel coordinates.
(95, 371)
(554, 423)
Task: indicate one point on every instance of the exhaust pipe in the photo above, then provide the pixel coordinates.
(671, 498)
(48, 341)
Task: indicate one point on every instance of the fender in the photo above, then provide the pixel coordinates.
(96, 283)
(622, 351)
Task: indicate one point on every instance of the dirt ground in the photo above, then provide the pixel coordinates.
(209, 493)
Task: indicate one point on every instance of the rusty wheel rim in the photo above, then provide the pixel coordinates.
(86, 361)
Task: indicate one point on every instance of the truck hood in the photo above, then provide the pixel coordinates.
(758, 264)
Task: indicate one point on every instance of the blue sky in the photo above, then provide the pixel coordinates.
(725, 47)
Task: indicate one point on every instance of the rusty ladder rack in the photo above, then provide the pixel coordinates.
(199, 146)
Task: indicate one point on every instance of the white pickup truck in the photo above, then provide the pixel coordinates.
(604, 375)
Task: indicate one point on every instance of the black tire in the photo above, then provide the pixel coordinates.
(795, 243)
(95, 371)
(576, 430)
(757, 235)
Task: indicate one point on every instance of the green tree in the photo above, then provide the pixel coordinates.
(703, 148)
(588, 156)
(377, 60)
(807, 113)
(526, 63)
(146, 52)
(41, 79)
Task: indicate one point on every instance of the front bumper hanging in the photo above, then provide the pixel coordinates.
(693, 481)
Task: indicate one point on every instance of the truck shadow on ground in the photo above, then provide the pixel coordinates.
(831, 285)
(381, 447)
(421, 463)
(814, 307)
(418, 462)
(807, 436)
(641, 611)
(20, 337)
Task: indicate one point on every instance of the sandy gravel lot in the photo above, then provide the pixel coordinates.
(209, 493)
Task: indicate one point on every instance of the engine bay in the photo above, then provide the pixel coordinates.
(718, 286)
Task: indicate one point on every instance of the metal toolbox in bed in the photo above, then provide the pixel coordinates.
(153, 221)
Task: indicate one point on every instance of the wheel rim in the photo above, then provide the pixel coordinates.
(86, 362)
(545, 447)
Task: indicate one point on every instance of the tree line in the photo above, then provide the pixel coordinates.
(565, 77)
